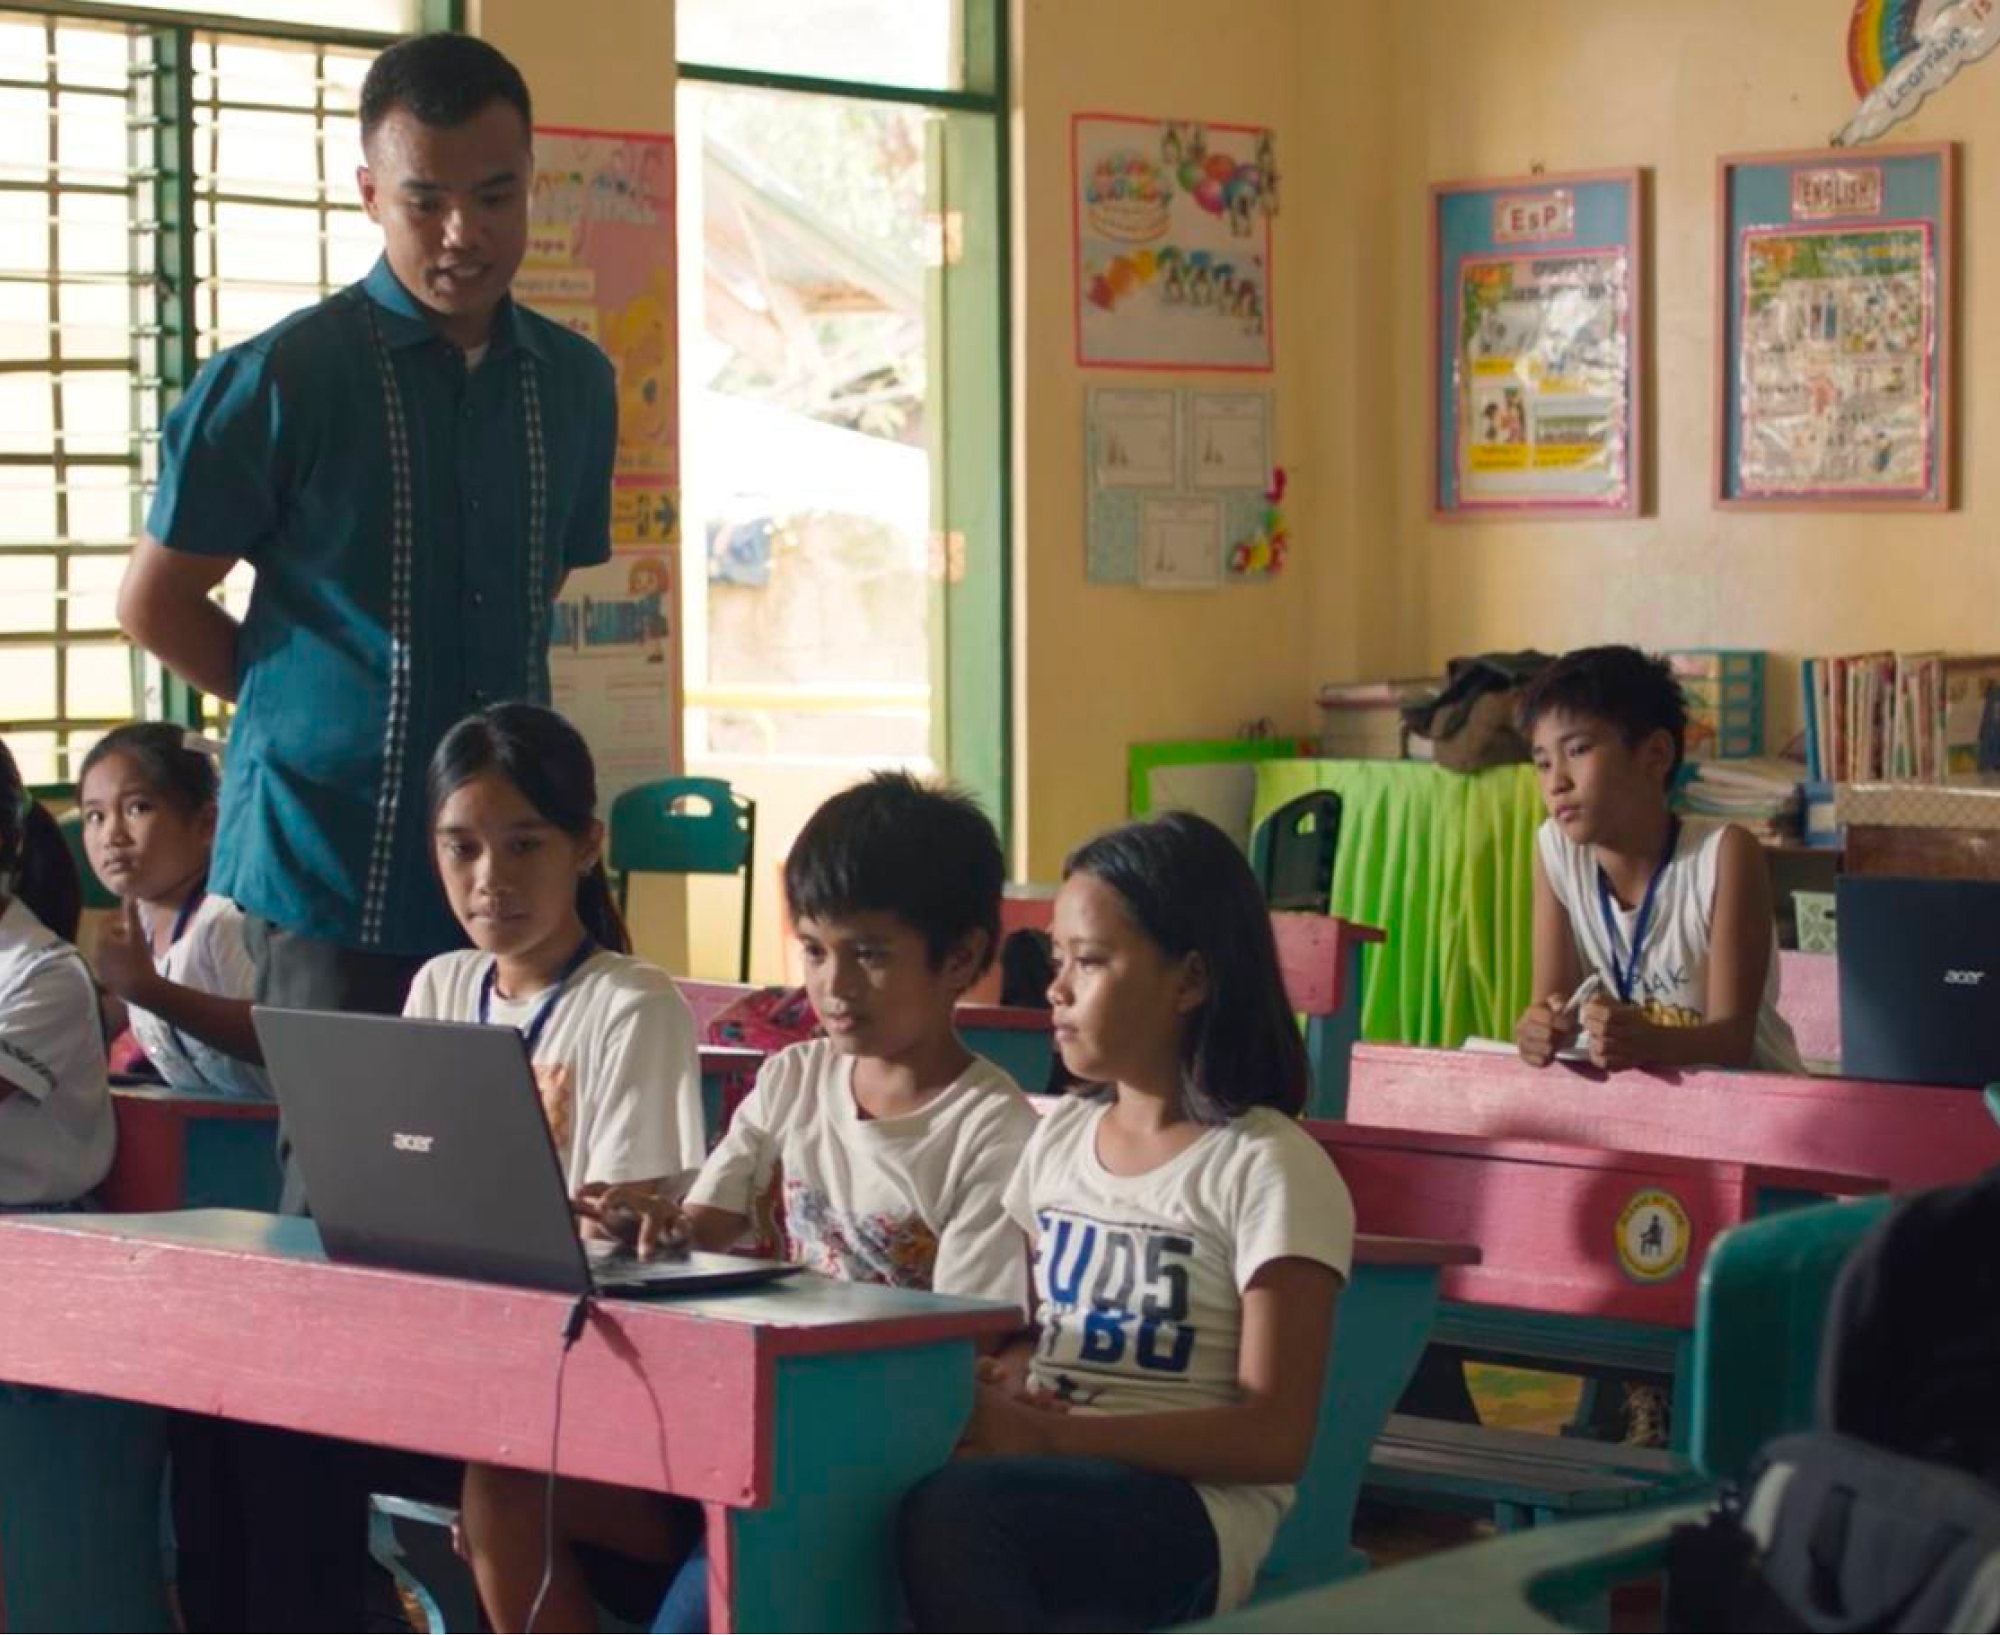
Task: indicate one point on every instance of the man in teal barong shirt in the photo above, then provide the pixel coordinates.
(411, 467)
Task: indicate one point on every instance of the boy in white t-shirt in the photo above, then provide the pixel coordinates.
(880, 1153)
(1673, 920)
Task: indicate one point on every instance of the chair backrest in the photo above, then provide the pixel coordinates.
(1761, 1308)
(680, 826)
(1293, 849)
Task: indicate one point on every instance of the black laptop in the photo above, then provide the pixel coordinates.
(424, 1148)
(1919, 979)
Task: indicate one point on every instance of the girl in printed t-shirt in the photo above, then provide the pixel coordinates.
(1128, 1466)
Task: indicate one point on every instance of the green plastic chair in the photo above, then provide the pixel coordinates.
(686, 826)
(94, 894)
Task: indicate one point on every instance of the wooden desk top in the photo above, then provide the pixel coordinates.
(1912, 1135)
(224, 1311)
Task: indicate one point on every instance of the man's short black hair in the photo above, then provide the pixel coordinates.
(895, 845)
(444, 79)
(1632, 691)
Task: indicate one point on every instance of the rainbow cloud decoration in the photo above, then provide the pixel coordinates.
(1899, 51)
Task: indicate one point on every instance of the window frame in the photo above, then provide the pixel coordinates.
(168, 365)
(970, 344)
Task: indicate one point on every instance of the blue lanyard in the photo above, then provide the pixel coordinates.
(1625, 977)
(182, 916)
(540, 1020)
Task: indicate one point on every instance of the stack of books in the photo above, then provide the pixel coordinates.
(1762, 793)
(1895, 715)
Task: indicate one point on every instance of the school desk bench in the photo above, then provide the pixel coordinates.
(1588, 1259)
(1380, 1327)
(1908, 1134)
(797, 1413)
(1763, 1297)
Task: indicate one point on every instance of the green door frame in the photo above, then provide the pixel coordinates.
(971, 490)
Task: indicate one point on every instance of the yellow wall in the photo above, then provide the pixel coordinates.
(607, 64)
(1370, 104)
(1579, 84)
(1098, 666)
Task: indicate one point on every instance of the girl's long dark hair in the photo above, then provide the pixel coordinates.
(544, 757)
(1189, 889)
(35, 863)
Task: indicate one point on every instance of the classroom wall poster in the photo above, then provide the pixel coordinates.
(1171, 233)
(1535, 302)
(1834, 375)
(601, 261)
(1182, 488)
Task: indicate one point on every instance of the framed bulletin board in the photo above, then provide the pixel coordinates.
(1834, 319)
(1536, 288)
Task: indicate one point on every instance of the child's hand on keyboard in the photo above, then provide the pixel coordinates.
(634, 1213)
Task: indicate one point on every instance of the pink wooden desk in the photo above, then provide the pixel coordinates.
(771, 1406)
(1910, 1135)
(1560, 1228)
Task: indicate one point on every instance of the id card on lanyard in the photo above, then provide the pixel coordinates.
(1625, 976)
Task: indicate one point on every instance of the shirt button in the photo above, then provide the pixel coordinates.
(479, 598)
(465, 411)
(478, 697)
(474, 502)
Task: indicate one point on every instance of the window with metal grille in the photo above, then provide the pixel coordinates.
(165, 191)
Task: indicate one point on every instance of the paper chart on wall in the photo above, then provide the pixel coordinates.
(1180, 544)
(601, 261)
(1177, 486)
(1542, 377)
(1836, 333)
(1172, 243)
(1230, 439)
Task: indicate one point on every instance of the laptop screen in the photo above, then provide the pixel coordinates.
(1919, 979)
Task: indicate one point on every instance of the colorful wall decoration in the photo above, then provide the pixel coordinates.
(1171, 228)
(601, 261)
(1535, 303)
(1834, 310)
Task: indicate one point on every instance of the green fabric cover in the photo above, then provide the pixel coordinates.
(1442, 862)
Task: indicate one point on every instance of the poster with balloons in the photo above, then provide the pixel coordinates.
(1171, 225)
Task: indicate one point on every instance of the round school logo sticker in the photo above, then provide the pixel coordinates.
(1653, 1237)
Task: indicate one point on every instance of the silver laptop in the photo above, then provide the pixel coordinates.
(424, 1148)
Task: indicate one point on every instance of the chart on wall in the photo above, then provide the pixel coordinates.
(1835, 372)
(1535, 290)
(1171, 229)
(601, 262)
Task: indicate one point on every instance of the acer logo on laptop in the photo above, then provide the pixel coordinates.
(405, 1142)
(1964, 979)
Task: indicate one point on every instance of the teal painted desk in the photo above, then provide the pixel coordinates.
(180, 1150)
(767, 1405)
